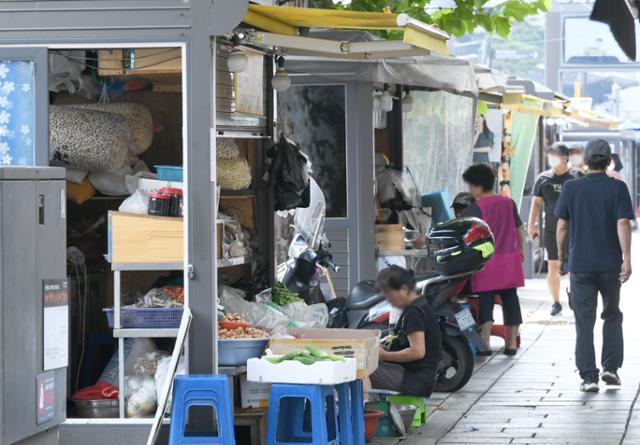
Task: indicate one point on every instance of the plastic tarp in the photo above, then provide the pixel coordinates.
(429, 71)
(523, 133)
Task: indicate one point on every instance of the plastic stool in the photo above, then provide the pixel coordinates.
(201, 390)
(288, 407)
(419, 402)
(351, 412)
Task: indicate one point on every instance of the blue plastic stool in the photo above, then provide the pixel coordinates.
(201, 390)
(289, 405)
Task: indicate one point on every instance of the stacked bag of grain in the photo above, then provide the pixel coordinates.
(232, 170)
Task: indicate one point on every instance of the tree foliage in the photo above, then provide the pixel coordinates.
(463, 19)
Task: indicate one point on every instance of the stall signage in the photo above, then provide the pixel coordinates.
(45, 397)
(55, 298)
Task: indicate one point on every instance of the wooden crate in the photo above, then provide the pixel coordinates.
(145, 238)
(389, 237)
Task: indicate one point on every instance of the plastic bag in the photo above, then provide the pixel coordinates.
(398, 189)
(136, 203)
(162, 376)
(140, 395)
(133, 348)
(233, 174)
(157, 297)
(309, 221)
(258, 315)
(307, 316)
(227, 149)
(147, 364)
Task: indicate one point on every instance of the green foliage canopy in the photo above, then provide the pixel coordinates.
(465, 18)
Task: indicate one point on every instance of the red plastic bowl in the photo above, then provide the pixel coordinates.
(371, 418)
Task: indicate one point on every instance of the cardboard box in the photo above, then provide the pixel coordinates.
(389, 237)
(253, 394)
(361, 344)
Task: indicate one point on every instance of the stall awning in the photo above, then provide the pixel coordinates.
(282, 28)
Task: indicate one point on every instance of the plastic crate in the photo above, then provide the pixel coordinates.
(169, 173)
(139, 317)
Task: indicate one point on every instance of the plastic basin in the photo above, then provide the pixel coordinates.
(233, 352)
(371, 418)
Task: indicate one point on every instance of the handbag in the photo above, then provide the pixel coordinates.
(401, 340)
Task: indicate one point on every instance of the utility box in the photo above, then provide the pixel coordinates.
(34, 302)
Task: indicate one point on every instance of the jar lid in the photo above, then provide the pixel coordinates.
(159, 196)
(171, 191)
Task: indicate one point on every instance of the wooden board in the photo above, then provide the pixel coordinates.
(110, 62)
(145, 239)
(249, 86)
(139, 61)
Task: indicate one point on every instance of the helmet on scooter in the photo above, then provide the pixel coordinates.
(460, 245)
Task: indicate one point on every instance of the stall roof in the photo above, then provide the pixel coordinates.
(285, 26)
(430, 71)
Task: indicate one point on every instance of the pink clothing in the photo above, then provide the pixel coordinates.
(504, 269)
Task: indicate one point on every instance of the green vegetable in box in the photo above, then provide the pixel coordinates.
(308, 356)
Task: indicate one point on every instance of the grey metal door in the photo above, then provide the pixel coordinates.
(332, 123)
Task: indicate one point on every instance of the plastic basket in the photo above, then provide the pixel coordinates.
(139, 317)
(169, 173)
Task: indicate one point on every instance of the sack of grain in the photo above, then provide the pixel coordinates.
(138, 117)
(233, 174)
(227, 149)
(87, 139)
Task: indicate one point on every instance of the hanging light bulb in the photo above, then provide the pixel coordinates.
(280, 81)
(237, 61)
(407, 102)
(386, 100)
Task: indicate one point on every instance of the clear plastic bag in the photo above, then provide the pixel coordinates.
(307, 316)
(136, 203)
(162, 376)
(147, 364)
(140, 395)
(258, 315)
(393, 184)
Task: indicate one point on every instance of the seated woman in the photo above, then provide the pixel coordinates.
(409, 363)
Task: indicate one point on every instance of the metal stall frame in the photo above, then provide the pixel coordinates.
(192, 26)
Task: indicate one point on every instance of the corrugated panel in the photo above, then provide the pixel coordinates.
(339, 238)
(96, 17)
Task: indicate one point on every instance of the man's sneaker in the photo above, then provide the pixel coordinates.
(589, 386)
(556, 308)
(611, 378)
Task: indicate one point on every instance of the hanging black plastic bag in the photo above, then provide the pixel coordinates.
(288, 175)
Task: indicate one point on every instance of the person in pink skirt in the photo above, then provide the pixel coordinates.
(503, 274)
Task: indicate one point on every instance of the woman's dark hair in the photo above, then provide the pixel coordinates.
(598, 163)
(394, 277)
(480, 175)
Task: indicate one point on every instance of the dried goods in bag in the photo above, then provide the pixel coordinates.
(87, 139)
(138, 118)
(233, 174)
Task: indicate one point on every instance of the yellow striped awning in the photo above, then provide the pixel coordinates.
(288, 20)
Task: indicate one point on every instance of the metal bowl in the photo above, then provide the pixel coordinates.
(97, 409)
(407, 412)
(236, 352)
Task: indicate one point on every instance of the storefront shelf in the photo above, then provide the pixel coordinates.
(230, 262)
(145, 333)
(146, 266)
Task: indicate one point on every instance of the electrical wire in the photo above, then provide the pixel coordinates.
(111, 59)
(78, 61)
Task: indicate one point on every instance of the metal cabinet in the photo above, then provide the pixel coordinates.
(32, 251)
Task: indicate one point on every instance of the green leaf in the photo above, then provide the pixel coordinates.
(503, 26)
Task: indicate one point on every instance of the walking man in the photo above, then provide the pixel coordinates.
(595, 211)
(546, 192)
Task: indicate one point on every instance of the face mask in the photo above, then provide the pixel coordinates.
(553, 161)
(577, 159)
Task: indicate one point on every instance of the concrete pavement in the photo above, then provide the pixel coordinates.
(533, 398)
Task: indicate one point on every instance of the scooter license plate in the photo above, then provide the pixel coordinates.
(465, 319)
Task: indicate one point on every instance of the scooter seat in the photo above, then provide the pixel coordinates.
(364, 295)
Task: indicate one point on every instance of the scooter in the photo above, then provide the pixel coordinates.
(367, 309)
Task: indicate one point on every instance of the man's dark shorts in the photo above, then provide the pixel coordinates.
(551, 245)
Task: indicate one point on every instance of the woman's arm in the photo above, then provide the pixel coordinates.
(417, 349)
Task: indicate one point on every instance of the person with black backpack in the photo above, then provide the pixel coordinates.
(409, 360)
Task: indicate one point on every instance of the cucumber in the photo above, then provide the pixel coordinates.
(316, 352)
(274, 360)
(335, 358)
(293, 354)
(305, 360)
